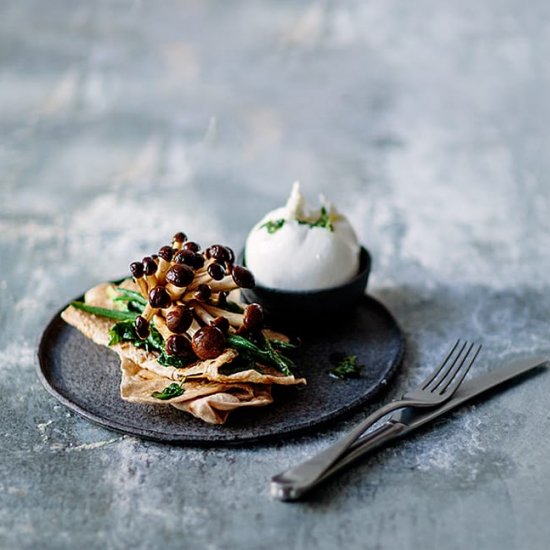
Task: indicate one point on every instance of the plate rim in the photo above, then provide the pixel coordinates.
(193, 440)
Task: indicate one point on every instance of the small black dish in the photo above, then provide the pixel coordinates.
(304, 309)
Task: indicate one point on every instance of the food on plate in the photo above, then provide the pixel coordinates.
(182, 336)
(295, 248)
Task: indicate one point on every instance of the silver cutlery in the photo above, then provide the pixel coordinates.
(435, 390)
(404, 422)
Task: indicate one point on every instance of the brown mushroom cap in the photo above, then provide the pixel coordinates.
(180, 275)
(190, 245)
(186, 257)
(243, 277)
(149, 265)
(179, 237)
(253, 318)
(216, 271)
(142, 327)
(178, 345)
(166, 253)
(202, 293)
(136, 269)
(159, 298)
(208, 342)
(218, 252)
(179, 319)
(222, 323)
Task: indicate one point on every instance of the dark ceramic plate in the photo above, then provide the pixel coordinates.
(85, 377)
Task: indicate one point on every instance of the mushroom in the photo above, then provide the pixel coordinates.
(179, 319)
(234, 319)
(190, 245)
(202, 293)
(222, 323)
(178, 239)
(190, 258)
(243, 277)
(178, 345)
(174, 344)
(208, 342)
(251, 320)
(159, 298)
(165, 257)
(178, 277)
(216, 271)
(219, 253)
(136, 269)
(142, 327)
(149, 269)
(202, 313)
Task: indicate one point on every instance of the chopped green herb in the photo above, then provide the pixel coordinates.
(169, 392)
(322, 221)
(347, 367)
(273, 226)
(115, 314)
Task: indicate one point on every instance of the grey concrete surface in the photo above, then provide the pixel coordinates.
(426, 121)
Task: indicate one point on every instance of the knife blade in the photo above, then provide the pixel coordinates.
(404, 422)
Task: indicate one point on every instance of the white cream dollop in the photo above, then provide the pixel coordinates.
(296, 256)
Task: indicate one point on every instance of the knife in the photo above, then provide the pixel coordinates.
(401, 423)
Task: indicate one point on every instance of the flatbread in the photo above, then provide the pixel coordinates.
(208, 393)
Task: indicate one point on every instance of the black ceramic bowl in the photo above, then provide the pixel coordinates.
(302, 308)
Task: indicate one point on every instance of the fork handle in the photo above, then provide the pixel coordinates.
(300, 478)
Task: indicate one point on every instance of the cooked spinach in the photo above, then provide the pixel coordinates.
(347, 367)
(169, 392)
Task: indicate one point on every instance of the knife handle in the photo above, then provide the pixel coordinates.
(282, 488)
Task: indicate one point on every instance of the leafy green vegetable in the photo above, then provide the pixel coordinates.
(169, 392)
(265, 353)
(347, 367)
(130, 295)
(115, 314)
(125, 331)
(322, 221)
(282, 345)
(174, 361)
(273, 226)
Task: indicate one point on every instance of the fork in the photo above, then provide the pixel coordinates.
(435, 390)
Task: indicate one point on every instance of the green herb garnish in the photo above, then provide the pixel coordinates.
(264, 351)
(169, 392)
(273, 226)
(348, 367)
(322, 221)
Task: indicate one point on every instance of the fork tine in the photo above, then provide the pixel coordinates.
(450, 368)
(457, 378)
(434, 374)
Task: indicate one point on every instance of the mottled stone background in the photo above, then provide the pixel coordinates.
(426, 121)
